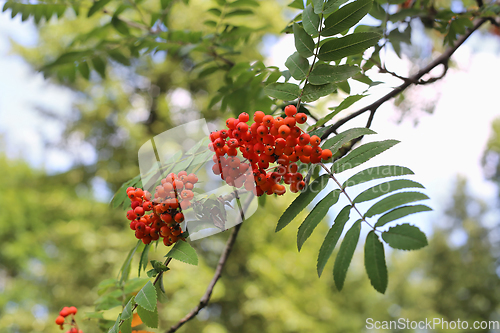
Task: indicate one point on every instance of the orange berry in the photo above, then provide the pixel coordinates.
(305, 159)
(304, 139)
(284, 131)
(268, 120)
(278, 189)
(301, 185)
(179, 217)
(244, 117)
(315, 140)
(290, 110)
(60, 320)
(301, 118)
(192, 178)
(326, 154)
(139, 192)
(258, 116)
(278, 122)
(65, 312)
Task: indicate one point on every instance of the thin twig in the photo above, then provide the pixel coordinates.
(218, 272)
(415, 79)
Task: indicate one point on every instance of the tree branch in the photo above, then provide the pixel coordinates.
(218, 272)
(414, 79)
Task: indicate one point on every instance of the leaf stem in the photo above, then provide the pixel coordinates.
(345, 193)
(316, 52)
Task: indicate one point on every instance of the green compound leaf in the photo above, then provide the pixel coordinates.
(362, 154)
(143, 263)
(310, 20)
(335, 143)
(315, 216)
(384, 188)
(120, 26)
(214, 11)
(382, 171)
(346, 17)
(299, 4)
(125, 269)
(239, 12)
(405, 237)
(283, 91)
(324, 73)
(331, 6)
(99, 65)
(184, 252)
(401, 212)
(116, 327)
(146, 297)
(344, 256)
(98, 5)
(332, 237)
(84, 69)
(318, 6)
(301, 202)
(240, 3)
(127, 310)
(393, 201)
(303, 42)
(343, 105)
(119, 57)
(312, 93)
(298, 66)
(150, 318)
(160, 291)
(375, 262)
(356, 43)
(126, 326)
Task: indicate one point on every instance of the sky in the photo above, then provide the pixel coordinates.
(444, 144)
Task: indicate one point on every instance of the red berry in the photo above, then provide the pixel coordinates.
(258, 116)
(301, 118)
(290, 110)
(73, 310)
(230, 123)
(64, 312)
(139, 210)
(284, 131)
(60, 320)
(131, 215)
(138, 193)
(290, 121)
(326, 154)
(244, 117)
(268, 120)
(179, 217)
(304, 139)
(315, 140)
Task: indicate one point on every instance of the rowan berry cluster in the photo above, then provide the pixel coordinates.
(61, 319)
(268, 140)
(172, 196)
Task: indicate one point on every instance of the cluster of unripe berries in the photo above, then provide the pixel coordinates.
(268, 140)
(61, 319)
(172, 196)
